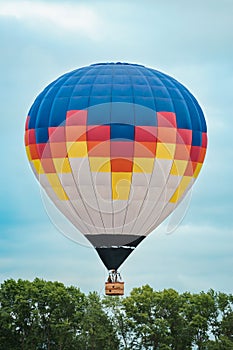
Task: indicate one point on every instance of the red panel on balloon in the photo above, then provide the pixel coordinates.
(204, 139)
(27, 123)
(44, 150)
(98, 133)
(31, 136)
(166, 119)
(184, 136)
(76, 117)
(57, 134)
(195, 152)
(146, 133)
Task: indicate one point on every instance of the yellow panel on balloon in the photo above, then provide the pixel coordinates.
(37, 165)
(165, 150)
(121, 183)
(28, 153)
(180, 189)
(197, 170)
(62, 165)
(56, 186)
(60, 193)
(143, 165)
(100, 164)
(178, 167)
(77, 149)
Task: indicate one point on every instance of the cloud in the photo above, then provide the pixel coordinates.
(62, 16)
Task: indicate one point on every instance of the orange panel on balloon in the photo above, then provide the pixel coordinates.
(189, 170)
(26, 138)
(202, 155)
(144, 149)
(76, 133)
(167, 135)
(58, 150)
(182, 151)
(121, 165)
(34, 151)
(98, 148)
(48, 165)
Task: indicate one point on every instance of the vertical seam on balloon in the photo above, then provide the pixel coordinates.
(162, 191)
(58, 80)
(164, 187)
(154, 225)
(185, 93)
(88, 155)
(63, 123)
(113, 73)
(42, 95)
(181, 87)
(126, 210)
(192, 179)
(75, 183)
(147, 190)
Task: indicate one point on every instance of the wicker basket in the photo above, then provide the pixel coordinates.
(114, 288)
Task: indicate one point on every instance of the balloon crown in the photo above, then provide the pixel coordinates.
(117, 63)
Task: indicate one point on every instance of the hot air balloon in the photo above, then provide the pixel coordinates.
(116, 147)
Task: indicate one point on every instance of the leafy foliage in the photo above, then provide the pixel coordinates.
(44, 315)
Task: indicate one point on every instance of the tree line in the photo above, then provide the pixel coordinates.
(44, 315)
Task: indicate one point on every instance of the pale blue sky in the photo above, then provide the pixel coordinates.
(191, 42)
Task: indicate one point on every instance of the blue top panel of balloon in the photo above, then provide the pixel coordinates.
(105, 83)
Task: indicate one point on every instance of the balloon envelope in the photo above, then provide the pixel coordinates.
(116, 147)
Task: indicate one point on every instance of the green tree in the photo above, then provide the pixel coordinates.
(97, 331)
(60, 311)
(200, 311)
(39, 315)
(43, 315)
(116, 313)
(18, 315)
(148, 330)
(222, 343)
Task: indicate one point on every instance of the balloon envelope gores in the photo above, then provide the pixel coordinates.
(116, 146)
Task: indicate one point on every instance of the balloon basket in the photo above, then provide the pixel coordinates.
(115, 288)
(114, 285)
